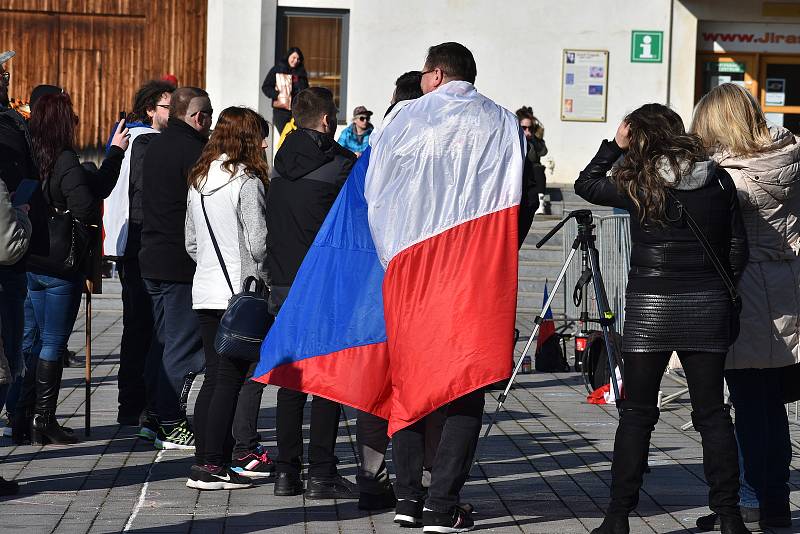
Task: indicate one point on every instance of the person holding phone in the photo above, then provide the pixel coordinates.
(55, 295)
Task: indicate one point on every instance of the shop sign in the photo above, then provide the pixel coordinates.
(748, 37)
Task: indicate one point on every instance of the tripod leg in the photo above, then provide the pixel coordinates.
(607, 318)
(537, 324)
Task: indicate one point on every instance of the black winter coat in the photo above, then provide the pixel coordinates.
(669, 259)
(169, 158)
(310, 169)
(299, 79)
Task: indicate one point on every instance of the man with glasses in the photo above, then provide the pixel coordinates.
(355, 137)
(122, 222)
(166, 268)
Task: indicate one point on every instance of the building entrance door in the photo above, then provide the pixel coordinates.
(780, 94)
(716, 69)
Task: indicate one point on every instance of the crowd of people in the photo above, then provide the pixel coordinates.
(191, 213)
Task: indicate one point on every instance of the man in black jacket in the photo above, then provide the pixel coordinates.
(310, 169)
(167, 269)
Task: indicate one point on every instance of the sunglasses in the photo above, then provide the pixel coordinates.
(362, 118)
(527, 128)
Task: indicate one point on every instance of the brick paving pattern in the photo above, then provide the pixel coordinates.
(544, 469)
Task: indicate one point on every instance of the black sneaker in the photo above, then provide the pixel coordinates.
(456, 521)
(149, 429)
(408, 513)
(175, 437)
(213, 477)
(377, 501)
(287, 484)
(256, 464)
(751, 517)
(128, 419)
(335, 487)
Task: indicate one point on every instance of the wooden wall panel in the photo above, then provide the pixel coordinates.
(100, 51)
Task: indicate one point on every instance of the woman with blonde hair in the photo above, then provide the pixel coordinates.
(764, 162)
(676, 298)
(226, 234)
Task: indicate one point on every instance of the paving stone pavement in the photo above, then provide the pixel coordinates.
(544, 468)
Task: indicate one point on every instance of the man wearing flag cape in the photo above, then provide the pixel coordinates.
(406, 301)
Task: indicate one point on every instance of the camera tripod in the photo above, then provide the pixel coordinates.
(590, 262)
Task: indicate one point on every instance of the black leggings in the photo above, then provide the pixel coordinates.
(216, 402)
(704, 374)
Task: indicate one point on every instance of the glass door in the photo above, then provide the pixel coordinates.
(716, 69)
(780, 90)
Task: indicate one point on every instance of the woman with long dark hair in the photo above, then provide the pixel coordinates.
(676, 300)
(226, 205)
(55, 293)
(763, 161)
(282, 84)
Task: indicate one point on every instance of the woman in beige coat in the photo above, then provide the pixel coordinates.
(764, 162)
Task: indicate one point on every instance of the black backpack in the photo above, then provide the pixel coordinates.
(550, 358)
(595, 361)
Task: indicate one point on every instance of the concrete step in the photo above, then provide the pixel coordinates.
(539, 269)
(547, 253)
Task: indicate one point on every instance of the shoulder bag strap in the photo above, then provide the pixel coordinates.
(216, 245)
(726, 279)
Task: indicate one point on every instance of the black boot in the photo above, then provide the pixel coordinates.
(45, 428)
(8, 487)
(733, 525)
(617, 524)
(21, 426)
(720, 461)
(631, 444)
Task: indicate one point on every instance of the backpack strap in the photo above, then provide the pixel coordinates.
(216, 245)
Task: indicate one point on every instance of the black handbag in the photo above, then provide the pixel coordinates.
(736, 299)
(69, 241)
(246, 321)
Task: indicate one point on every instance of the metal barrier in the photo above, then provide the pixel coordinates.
(614, 245)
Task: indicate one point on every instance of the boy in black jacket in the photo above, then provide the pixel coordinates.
(310, 169)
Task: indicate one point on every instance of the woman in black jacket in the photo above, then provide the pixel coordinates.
(675, 299)
(55, 294)
(292, 67)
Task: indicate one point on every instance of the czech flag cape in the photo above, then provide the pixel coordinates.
(407, 298)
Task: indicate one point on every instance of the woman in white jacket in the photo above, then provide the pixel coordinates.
(764, 162)
(231, 180)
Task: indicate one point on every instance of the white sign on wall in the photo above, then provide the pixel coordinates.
(748, 37)
(584, 84)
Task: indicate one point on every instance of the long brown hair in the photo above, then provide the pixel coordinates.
(657, 137)
(238, 135)
(52, 128)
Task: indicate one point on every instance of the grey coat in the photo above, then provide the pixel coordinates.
(15, 230)
(769, 194)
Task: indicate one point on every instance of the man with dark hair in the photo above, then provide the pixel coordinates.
(310, 168)
(122, 222)
(450, 102)
(167, 269)
(450, 61)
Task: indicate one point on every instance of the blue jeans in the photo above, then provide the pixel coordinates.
(762, 430)
(13, 288)
(55, 302)
(173, 368)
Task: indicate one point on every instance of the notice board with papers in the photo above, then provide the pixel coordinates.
(584, 85)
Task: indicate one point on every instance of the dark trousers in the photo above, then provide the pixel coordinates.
(453, 459)
(280, 117)
(710, 416)
(762, 430)
(245, 421)
(13, 290)
(216, 402)
(372, 440)
(137, 335)
(322, 440)
(170, 371)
